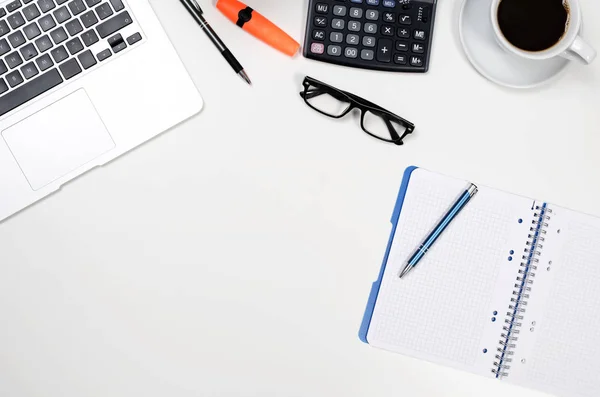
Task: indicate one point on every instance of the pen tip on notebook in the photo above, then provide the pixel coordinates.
(405, 271)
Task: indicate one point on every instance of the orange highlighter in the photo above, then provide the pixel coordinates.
(258, 26)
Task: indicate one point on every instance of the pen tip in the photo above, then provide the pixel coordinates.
(405, 271)
(245, 77)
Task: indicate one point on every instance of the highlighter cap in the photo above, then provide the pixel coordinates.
(258, 26)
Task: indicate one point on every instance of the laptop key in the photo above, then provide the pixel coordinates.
(117, 5)
(47, 22)
(104, 11)
(90, 37)
(59, 54)
(77, 7)
(16, 39)
(114, 24)
(134, 38)
(62, 14)
(2, 12)
(13, 5)
(13, 60)
(59, 2)
(74, 27)
(91, 3)
(74, 46)
(3, 68)
(46, 5)
(104, 55)
(43, 43)
(3, 87)
(44, 62)
(70, 68)
(87, 59)
(30, 90)
(4, 29)
(31, 12)
(14, 79)
(89, 19)
(29, 70)
(117, 43)
(59, 35)
(4, 47)
(32, 31)
(16, 20)
(28, 52)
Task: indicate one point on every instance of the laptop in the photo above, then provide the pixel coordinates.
(81, 83)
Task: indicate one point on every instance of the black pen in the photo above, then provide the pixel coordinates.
(196, 12)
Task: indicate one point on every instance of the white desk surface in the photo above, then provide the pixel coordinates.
(233, 255)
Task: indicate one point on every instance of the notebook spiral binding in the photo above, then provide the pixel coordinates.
(522, 288)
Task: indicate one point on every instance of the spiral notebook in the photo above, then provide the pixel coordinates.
(511, 290)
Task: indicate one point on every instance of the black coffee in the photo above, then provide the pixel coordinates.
(533, 25)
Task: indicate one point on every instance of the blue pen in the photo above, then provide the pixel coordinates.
(439, 229)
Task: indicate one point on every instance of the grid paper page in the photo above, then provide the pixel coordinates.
(439, 311)
(565, 359)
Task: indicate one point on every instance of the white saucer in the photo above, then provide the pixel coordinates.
(491, 61)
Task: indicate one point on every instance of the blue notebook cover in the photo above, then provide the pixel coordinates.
(364, 327)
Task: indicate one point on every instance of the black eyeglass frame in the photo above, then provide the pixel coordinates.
(356, 102)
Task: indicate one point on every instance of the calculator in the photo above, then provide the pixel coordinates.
(383, 35)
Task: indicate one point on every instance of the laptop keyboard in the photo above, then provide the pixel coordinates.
(45, 43)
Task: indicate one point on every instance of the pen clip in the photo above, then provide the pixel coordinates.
(196, 6)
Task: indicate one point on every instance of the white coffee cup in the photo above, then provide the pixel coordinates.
(571, 46)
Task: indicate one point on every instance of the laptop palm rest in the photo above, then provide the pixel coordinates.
(58, 139)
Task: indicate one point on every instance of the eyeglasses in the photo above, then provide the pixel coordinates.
(375, 120)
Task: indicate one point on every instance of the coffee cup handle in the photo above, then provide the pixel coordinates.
(580, 51)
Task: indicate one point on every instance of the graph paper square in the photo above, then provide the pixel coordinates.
(439, 311)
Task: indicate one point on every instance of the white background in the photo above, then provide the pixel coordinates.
(233, 255)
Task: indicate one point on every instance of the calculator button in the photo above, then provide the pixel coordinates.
(401, 46)
(339, 11)
(400, 59)
(350, 52)
(389, 3)
(322, 8)
(334, 50)
(418, 48)
(356, 12)
(372, 15)
(369, 41)
(387, 30)
(356, 1)
(354, 26)
(384, 50)
(319, 35)
(338, 24)
(371, 28)
(416, 61)
(419, 35)
(336, 37)
(373, 2)
(389, 17)
(403, 33)
(352, 39)
(405, 19)
(320, 22)
(367, 55)
(317, 48)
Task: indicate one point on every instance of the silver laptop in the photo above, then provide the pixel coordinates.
(81, 82)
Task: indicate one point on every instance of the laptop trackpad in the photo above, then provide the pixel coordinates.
(58, 139)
